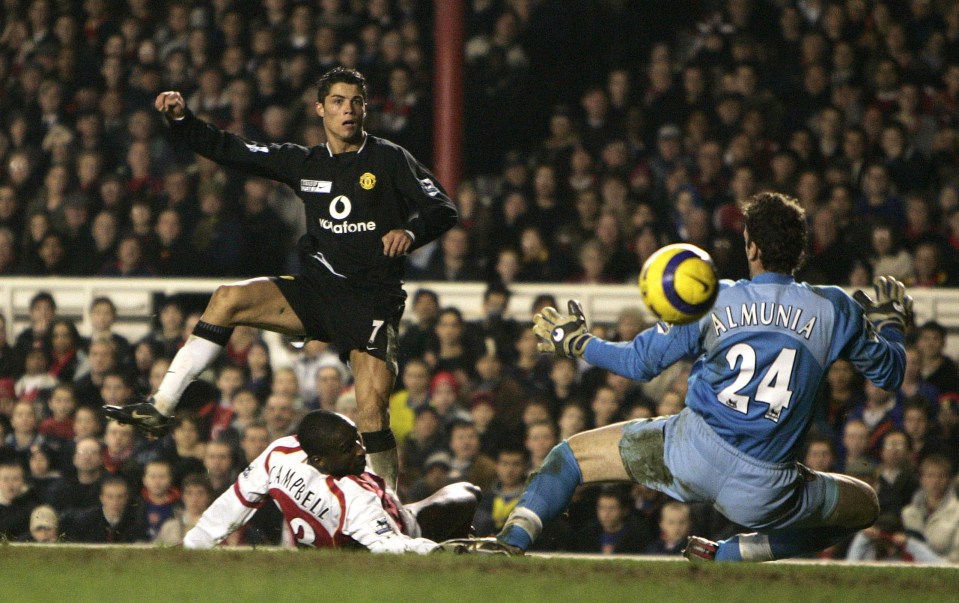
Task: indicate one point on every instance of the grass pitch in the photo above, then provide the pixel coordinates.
(75, 574)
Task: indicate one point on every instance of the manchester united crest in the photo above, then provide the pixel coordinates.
(367, 181)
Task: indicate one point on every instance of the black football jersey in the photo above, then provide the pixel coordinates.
(352, 199)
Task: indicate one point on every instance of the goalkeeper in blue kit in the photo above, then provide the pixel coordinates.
(760, 357)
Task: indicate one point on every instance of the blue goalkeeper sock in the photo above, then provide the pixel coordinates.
(728, 550)
(516, 536)
(546, 496)
(780, 544)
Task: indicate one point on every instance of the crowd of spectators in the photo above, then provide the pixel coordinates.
(475, 401)
(89, 181)
(851, 106)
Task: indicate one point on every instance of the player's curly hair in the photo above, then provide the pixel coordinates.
(339, 75)
(776, 223)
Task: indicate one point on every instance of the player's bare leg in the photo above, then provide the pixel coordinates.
(597, 452)
(590, 456)
(256, 303)
(855, 507)
(374, 384)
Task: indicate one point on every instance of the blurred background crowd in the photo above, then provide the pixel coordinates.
(595, 132)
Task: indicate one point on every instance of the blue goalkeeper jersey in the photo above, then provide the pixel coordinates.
(760, 357)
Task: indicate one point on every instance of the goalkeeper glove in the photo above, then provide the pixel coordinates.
(563, 335)
(891, 308)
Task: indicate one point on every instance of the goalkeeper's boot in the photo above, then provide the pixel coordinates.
(700, 549)
(143, 415)
(479, 546)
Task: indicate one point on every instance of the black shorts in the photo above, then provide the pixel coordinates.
(348, 317)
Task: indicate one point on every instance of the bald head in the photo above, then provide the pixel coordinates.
(87, 456)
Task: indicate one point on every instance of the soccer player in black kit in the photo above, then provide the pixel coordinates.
(368, 204)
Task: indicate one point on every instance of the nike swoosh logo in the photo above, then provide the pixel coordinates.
(701, 282)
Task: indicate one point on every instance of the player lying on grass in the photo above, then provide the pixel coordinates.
(318, 478)
(761, 354)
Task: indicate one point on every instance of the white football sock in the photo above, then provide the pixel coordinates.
(191, 360)
(755, 547)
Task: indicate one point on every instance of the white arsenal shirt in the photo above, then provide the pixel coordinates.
(320, 510)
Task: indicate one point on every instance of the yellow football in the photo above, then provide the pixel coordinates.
(678, 283)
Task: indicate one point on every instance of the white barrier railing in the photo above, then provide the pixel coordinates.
(134, 298)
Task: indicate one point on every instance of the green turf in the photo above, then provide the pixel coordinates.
(67, 575)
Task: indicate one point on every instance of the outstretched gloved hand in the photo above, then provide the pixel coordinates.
(562, 334)
(891, 307)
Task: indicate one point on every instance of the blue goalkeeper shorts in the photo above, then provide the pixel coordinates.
(683, 457)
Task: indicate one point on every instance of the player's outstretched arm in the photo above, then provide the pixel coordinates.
(641, 359)
(227, 514)
(275, 161)
(367, 522)
(871, 333)
(232, 509)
